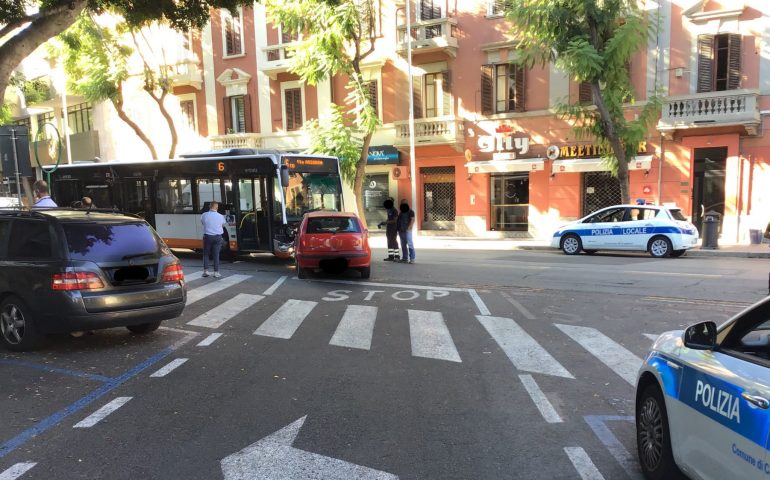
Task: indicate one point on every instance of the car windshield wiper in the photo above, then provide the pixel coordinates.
(126, 257)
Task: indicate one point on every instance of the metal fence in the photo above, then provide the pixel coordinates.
(438, 198)
(600, 189)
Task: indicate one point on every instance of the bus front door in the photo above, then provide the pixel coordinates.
(137, 200)
(253, 228)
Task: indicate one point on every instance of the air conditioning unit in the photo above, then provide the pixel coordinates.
(400, 173)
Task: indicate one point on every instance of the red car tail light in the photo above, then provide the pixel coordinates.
(172, 273)
(76, 281)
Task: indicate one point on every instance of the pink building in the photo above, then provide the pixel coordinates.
(492, 158)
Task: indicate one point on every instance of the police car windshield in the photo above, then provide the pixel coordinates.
(676, 214)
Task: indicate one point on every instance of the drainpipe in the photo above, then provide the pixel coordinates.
(661, 162)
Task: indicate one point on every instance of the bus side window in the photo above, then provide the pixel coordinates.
(174, 195)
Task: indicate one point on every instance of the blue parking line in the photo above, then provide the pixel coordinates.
(50, 369)
(56, 418)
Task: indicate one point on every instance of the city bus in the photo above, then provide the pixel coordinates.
(263, 194)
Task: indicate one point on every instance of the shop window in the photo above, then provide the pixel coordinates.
(510, 202)
(502, 88)
(174, 195)
(719, 62)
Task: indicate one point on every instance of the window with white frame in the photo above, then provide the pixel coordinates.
(432, 93)
(237, 114)
(496, 8)
(232, 32)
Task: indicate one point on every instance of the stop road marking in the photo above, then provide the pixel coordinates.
(401, 295)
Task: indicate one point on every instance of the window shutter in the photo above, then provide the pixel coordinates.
(519, 88)
(487, 93)
(417, 95)
(734, 61)
(229, 35)
(372, 94)
(706, 63)
(446, 87)
(585, 93)
(247, 113)
(293, 99)
(288, 101)
(228, 111)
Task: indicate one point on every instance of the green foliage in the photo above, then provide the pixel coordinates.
(36, 91)
(336, 135)
(592, 40)
(5, 114)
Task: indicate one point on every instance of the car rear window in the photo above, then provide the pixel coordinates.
(333, 225)
(676, 214)
(109, 242)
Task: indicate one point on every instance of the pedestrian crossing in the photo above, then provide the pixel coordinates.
(429, 333)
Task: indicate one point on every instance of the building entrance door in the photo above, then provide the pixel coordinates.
(375, 193)
(708, 183)
(438, 195)
(510, 203)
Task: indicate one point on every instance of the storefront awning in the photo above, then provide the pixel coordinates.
(640, 162)
(502, 166)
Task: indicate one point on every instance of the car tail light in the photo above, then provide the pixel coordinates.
(172, 273)
(76, 281)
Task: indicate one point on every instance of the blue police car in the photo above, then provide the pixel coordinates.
(703, 398)
(663, 231)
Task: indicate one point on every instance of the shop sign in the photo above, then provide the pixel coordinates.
(503, 141)
(583, 151)
(383, 155)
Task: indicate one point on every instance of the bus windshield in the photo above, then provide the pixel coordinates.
(312, 191)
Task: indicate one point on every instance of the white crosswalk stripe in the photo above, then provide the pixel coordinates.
(609, 352)
(430, 336)
(356, 327)
(191, 277)
(583, 464)
(524, 352)
(16, 471)
(287, 319)
(215, 286)
(219, 315)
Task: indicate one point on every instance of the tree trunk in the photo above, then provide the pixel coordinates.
(608, 125)
(169, 120)
(26, 41)
(358, 183)
(118, 103)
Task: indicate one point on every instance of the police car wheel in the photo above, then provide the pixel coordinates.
(660, 247)
(653, 439)
(571, 244)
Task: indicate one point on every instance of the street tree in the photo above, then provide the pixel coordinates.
(337, 36)
(593, 41)
(334, 134)
(25, 25)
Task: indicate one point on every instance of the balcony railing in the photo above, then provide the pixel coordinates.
(430, 36)
(186, 72)
(431, 131)
(712, 109)
(236, 140)
(275, 59)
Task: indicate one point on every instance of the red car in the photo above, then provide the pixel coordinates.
(332, 241)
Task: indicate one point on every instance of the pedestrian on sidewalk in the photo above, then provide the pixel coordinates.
(391, 230)
(213, 227)
(405, 223)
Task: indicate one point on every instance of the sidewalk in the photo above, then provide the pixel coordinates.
(377, 240)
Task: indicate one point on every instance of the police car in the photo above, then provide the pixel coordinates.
(702, 401)
(660, 230)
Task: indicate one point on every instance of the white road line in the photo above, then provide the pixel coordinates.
(219, 315)
(287, 319)
(521, 308)
(170, 367)
(391, 285)
(275, 286)
(583, 464)
(541, 401)
(651, 336)
(430, 336)
(674, 274)
(215, 286)
(209, 340)
(100, 414)
(189, 277)
(483, 310)
(356, 327)
(609, 352)
(16, 471)
(522, 350)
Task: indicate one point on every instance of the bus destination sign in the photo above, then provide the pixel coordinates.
(310, 164)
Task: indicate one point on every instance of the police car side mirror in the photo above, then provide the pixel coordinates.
(702, 336)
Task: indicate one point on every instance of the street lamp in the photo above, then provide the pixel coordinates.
(412, 167)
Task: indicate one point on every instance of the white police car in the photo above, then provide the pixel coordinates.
(702, 401)
(660, 230)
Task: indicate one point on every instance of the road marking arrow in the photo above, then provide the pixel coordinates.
(274, 458)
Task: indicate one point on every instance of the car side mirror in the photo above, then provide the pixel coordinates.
(702, 336)
(284, 176)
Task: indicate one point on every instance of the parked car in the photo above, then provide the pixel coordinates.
(333, 241)
(662, 231)
(703, 400)
(65, 270)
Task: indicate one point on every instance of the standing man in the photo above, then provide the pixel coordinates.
(213, 226)
(42, 197)
(405, 223)
(391, 230)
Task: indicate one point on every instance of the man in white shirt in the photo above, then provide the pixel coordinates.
(42, 198)
(213, 226)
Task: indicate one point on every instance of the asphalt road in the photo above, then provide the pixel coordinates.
(482, 365)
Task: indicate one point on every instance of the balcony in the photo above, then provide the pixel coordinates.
(429, 36)
(275, 59)
(713, 109)
(186, 73)
(236, 140)
(83, 146)
(431, 131)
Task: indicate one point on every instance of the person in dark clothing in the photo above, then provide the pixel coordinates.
(405, 222)
(391, 230)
